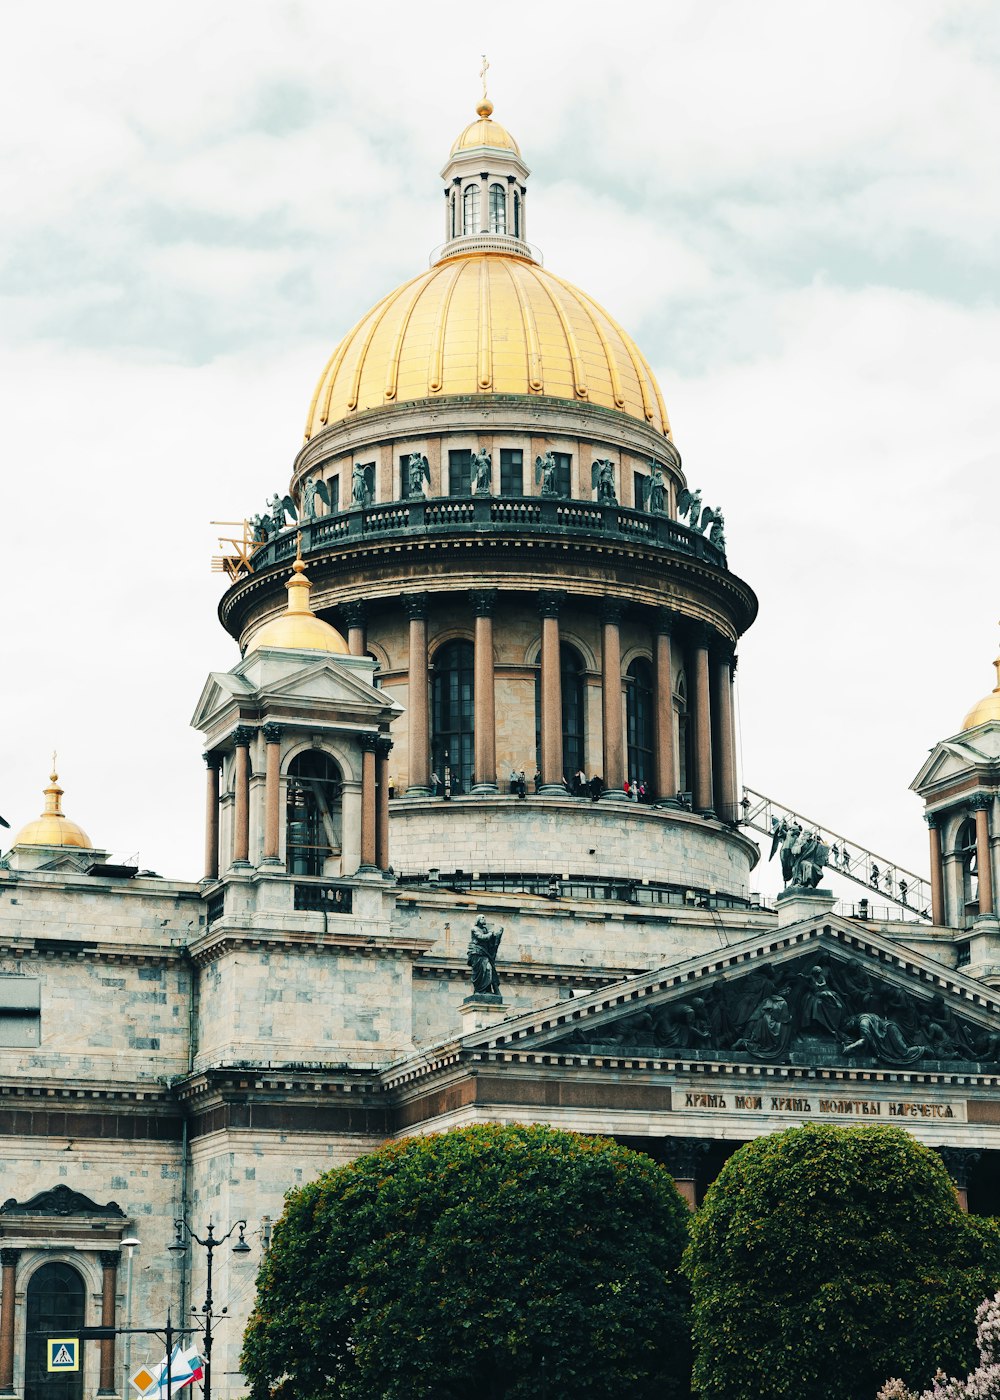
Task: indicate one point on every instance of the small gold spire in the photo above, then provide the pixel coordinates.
(53, 793)
(298, 585)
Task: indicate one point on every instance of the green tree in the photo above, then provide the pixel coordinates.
(514, 1262)
(825, 1259)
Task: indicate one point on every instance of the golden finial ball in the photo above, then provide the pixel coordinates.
(485, 108)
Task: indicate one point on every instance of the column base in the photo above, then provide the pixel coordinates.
(419, 790)
(616, 795)
(796, 903)
(272, 861)
(552, 790)
(241, 865)
(368, 870)
(485, 789)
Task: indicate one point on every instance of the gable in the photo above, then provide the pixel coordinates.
(219, 692)
(953, 759)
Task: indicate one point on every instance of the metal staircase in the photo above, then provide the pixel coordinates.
(884, 877)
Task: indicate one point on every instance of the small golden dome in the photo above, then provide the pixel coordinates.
(988, 708)
(298, 628)
(53, 827)
(485, 132)
(486, 323)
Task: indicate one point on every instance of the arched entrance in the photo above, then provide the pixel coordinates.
(55, 1305)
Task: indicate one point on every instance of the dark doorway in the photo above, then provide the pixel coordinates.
(54, 1309)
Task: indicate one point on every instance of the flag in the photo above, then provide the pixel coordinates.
(185, 1367)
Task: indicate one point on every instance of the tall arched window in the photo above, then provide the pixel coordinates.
(453, 714)
(471, 209)
(498, 209)
(639, 723)
(968, 855)
(573, 715)
(454, 215)
(55, 1306)
(313, 795)
(517, 216)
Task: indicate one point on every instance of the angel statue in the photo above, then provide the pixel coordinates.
(279, 507)
(482, 474)
(654, 491)
(545, 475)
(363, 483)
(716, 534)
(258, 528)
(602, 479)
(417, 472)
(314, 487)
(689, 504)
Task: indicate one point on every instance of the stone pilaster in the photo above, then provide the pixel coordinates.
(724, 738)
(369, 745)
(981, 805)
(549, 604)
(419, 777)
(485, 775)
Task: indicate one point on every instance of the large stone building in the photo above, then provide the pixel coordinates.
(498, 569)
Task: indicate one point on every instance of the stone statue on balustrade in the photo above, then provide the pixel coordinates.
(482, 474)
(314, 487)
(278, 507)
(654, 491)
(803, 855)
(484, 942)
(418, 474)
(363, 484)
(546, 475)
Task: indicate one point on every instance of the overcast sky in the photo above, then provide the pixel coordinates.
(793, 207)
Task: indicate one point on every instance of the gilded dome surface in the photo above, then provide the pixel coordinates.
(484, 323)
(53, 827)
(484, 132)
(298, 628)
(988, 708)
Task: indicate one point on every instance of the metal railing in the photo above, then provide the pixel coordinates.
(606, 889)
(324, 899)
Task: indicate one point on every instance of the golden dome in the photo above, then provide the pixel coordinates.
(484, 132)
(298, 628)
(988, 708)
(486, 323)
(53, 827)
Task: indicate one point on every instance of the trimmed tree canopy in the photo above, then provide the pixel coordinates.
(488, 1262)
(826, 1259)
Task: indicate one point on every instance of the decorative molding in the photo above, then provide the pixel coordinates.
(933, 820)
(61, 1200)
(369, 742)
(682, 1155)
(354, 614)
(272, 733)
(611, 611)
(550, 601)
(415, 606)
(982, 802)
(9, 1258)
(109, 1258)
(959, 1162)
(213, 759)
(483, 601)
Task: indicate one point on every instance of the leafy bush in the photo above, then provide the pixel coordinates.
(825, 1259)
(488, 1262)
(981, 1384)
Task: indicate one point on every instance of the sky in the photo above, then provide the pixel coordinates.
(793, 208)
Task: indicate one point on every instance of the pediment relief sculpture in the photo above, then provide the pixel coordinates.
(60, 1200)
(818, 1009)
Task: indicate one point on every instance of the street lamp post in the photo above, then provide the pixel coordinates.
(131, 1244)
(209, 1244)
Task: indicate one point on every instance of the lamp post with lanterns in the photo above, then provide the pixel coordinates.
(211, 1242)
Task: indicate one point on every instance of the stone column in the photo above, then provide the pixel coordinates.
(8, 1270)
(666, 758)
(242, 735)
(369, 743)
(937, 871)
(109, 1264)
(272, 791)
(419, 778)
(701, 788)
(959, 1162)
(724, 758)
(357, 639)
(484, 201)
(552, 754)
(984, 860)
(485, 775)
(213, 762)
(682, 1156)
(611, 688)
(383, 747)
(510, 206)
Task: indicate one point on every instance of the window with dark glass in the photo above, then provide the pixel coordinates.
(460, 472)
(454, 215)
(968, 855)
(471, 209)
(517, 216)
(498, 209)
(511, 471)
(333, 491)
(682, 736)
(54, 1308)
(639, 722)
(638, 487)
(453, 720)
(313, 792)
(571, 685)
(563, 460)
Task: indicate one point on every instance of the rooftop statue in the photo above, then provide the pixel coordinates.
(689, 505)
(602, 479)
(546, 475)
(482, 474)
(418, 473)
(481, 956)
(314, 487)
(363, 484)
(803, 854)
(279, 507)
(654, 491)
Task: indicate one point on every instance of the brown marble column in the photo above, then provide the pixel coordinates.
(724, 756)
(701, 788)
(666, 758)
(213, 763)
(8, 1295)
(984, 860)
(959, 1161)
(682, 1156)
(419, 777)
(242, 737)
(383, 748)
(552, 746)
(272, 792)
(611, 709)
(357, 636)
(109, 1264)
(937, 870)
(369, 744)
(485, 773)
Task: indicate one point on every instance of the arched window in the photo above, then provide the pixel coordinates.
(453, 717)
(312, 812)
(498, 209)
(471, 209)
(639, 723)
(573, 716)
(517, 216)
(968, 856)
(454, 215)
(55, 1306)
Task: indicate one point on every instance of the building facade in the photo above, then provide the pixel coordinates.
(488, 644)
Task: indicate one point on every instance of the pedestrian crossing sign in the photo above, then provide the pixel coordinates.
(64, 1353)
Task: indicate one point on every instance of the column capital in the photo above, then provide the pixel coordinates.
(682, 1155)
(109, 1258)
(243, 736)
(959, 1162)
(383, 745)
(483, 601)
(550, 601)
(415, 606)
(933, 819)
(369, 742)
(272, 733)
(213, 759)
(666, 622)
(611, 610)
(354, 614)
(702, 635)
(9, 1257)
(981, 802)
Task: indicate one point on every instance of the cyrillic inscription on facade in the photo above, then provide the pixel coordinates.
(820, 1106)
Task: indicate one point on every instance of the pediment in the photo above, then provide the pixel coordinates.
(956, 758)
(330, 685)
(218, 693)
(61, 1200)
(831, 995)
